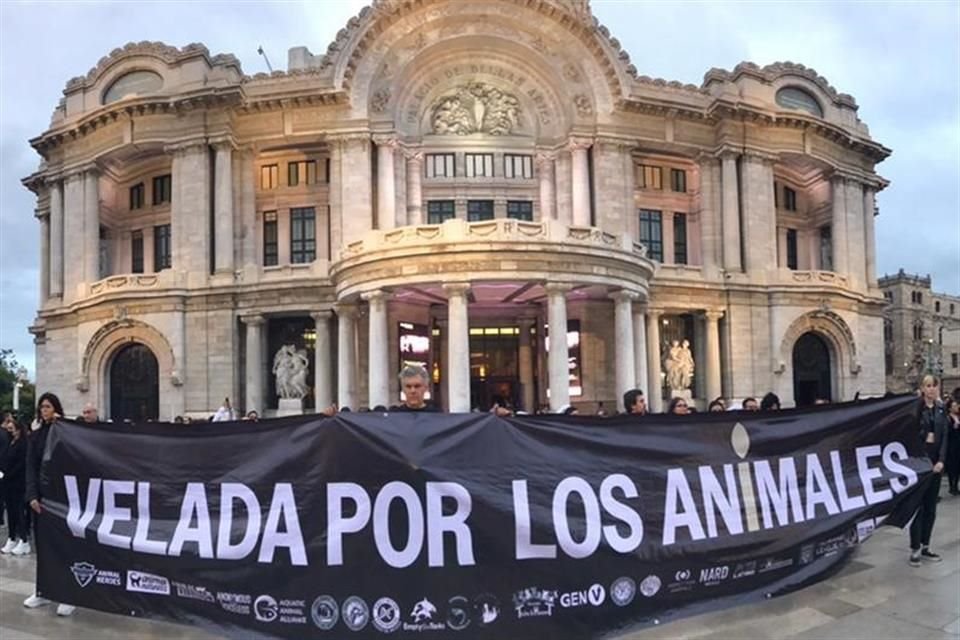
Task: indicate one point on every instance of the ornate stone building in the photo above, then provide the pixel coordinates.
(447, 183)
(921, 333)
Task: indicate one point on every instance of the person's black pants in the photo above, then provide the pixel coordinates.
(17, 523)
(922, 525)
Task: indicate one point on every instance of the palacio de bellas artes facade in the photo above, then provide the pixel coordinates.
(446, 184)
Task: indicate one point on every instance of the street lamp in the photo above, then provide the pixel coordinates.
(21, 380)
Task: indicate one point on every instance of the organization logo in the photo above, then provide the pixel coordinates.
(594, 596)
(325, 613)
(386, 615)
(458, 613)
(744, 569)
(622, 591)
(235, 602)
(147, 583)
(806, 554)
(650, 586)
(83, 573)
(682, 575)
(772, 564)
(265, 608)
(534, 602)
(865, 529)
(683, 580)
(355, 613)
(486, 609)
(714, 575)
(836, 544)
(422, 618)
(193, 592)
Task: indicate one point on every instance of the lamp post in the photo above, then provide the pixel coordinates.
(21, 380)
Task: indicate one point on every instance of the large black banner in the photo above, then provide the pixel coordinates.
(466, 525)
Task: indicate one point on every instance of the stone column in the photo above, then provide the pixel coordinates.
(546, 172)
(712, 369)
(655, 393)
(559, 357)
(731, 212)
(640, 349)
(666, 235)
(44, 219)
(869, 233)
(379, 361)
(56, 239)
(623, 339)
(856, 234)
(759, 216)
(335, 145)
(709, 215)
(247, 203)
(190, 211)
(322, 362)
(91, 225)
(525, 358)
(458, 348)
(356, 195)
(254, 355)
(386, 183)
(580, 181)
(838, 237)
(223, 207)
(74, 241)
(414, 186)
(346, 355)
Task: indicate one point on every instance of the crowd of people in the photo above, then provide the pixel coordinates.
(22, 448)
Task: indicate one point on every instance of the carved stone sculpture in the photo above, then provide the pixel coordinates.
(475, 108)
(290, 368)
(679, 366)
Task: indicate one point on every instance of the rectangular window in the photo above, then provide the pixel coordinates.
(680, 238)
(440, 165)
(136, 252)
(936, 306)
(326, 171)
(479, 210)
(826, 249)
(301, 172)
(136, 196)
(520, 210)
(954, 357)
(161, 247)
(792, 249)
(479, 165)
(789, 199)
(776, 195)
(517, 166)
(271, 253)
(951, 308)
(651, 233)
(919, 298)
(269, 176)
(440, 210)
(162, 188)
(678, 180)
(650, 177)
(303, 235)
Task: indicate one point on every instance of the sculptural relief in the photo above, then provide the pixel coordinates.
(476, 108)
(679, 365)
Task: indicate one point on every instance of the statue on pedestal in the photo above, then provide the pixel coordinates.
(290, 368)
(679, 366)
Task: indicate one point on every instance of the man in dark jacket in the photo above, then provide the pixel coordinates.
(934, 425)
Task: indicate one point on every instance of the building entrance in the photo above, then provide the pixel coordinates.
(811, 370)
(494, 367)
(134, 385)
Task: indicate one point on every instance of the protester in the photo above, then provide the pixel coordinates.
(568, 410)
(750, 404)
(13, 465)
(933, 430)
(224, 413)
(600, 409)
(634, 403)
(678, 407)
(717, 406)
(49, 411)
(89, 414)
(953, 445)
(252, 416)
(414, 382)
(178, 420)
(770, 402)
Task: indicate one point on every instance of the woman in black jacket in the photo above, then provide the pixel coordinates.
(953, 445)
(933, 430)
(13, 464)
(50, 410)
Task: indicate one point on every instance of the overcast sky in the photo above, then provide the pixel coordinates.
(900, 60)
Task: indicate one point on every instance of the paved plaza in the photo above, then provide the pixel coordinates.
(876, 596)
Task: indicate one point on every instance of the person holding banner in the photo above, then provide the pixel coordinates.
(933, 431)
(634, 403)
(414, 382)
(50, 410)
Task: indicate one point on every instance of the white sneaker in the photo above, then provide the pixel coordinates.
(35, 601)
(65, 609)
(7, 548)
(22, 548)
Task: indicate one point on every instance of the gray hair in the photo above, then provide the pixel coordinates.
(415, 371)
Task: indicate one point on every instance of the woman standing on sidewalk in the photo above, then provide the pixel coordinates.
(50, 410)
(953, 445)
(13, 464)
(933, 430)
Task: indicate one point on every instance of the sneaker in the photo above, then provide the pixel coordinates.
(22, 548)
(915, 558)
(7, 548)
(65, 609)
(35, 601)
(930, 556)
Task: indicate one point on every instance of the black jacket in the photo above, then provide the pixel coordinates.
(934, 420)
(12, 463)
(36, 443)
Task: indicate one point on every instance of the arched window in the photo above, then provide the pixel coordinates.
(133, 84)
(796, 98)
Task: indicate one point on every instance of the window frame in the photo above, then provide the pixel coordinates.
(472, 160)
(654, 221)
(271, 247)
(792, 257)
(162, 189)
(656, 176)
(137, 194)
(442, 214)
(789, 199)
(526, 215)
(678, 177)
(472, 204)
(303, 235)
(137, 252)
(301, 173)
(510, 163)
(162, 247)
(272, 172)
(447, 160)
(680, 246)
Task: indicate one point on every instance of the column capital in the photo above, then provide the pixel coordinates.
(759, 155)
(322, 316)
(349, 136)
(386, 140)
(617, 143)
(576, 143)
(654, 313)
(545, 158)
(346, 309)
(224, 143)
(728, 153)
(412, 154)
(623, 296)
(713, 315)
(374, 296)
(80, 171)
(708, 159)
(253, 320)
(455, 289)
(557, 288)
(185, 147)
